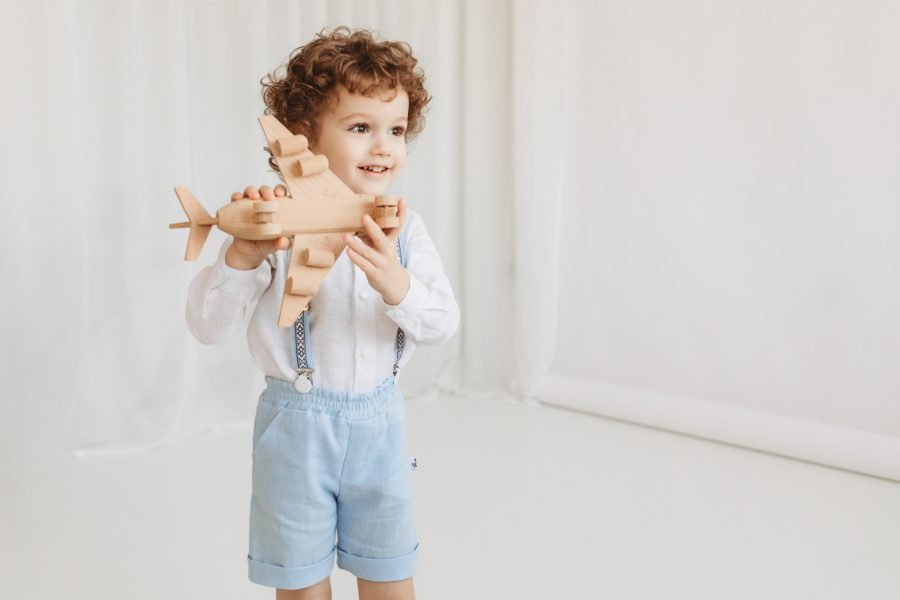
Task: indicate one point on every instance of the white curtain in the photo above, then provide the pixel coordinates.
(107, 106)
(679, 214)
(730, 226)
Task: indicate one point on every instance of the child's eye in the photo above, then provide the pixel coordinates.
(399, 130)
(359, 128)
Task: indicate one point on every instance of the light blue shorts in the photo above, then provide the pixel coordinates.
(329, 464)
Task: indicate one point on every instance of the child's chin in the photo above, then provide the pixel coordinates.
(375, 189)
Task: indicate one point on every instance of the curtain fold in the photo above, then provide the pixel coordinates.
(539, 71)
(110, 104)
(697, 202)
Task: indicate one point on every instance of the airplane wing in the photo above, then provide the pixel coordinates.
(319, 209)
(308, 180)
(306, 174)
(312, 256)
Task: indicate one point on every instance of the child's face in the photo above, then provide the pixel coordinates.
(364, 139)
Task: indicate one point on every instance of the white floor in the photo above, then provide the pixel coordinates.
(513, 502)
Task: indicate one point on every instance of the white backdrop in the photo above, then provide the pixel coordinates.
(111, 104)
(731, 225)
(652, 211)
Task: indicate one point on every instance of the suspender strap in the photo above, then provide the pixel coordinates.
(400, 339)
(302, 355)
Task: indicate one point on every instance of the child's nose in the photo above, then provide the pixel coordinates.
(380, 146)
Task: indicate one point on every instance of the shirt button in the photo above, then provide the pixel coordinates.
(364, 295)
(365, 353)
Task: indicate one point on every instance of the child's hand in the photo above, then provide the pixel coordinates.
(377, 257)
(245, 255)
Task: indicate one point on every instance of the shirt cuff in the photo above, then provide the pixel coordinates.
(411, 305)
(235, 281)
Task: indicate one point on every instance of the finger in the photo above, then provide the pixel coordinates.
(236, 196)
(379, 239)
(251, 192)
(370, 254)
(266, 247)
(358, 260)
(280, 190)
(266, 193)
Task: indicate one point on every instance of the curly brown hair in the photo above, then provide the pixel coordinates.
(299, 92)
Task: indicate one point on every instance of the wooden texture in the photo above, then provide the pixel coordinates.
(317, 213)
(385, 213)
(387, 200)
(310, 165)
(200, 222)
(286, 146)
(316, 257)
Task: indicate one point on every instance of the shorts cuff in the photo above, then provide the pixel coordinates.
(290, 578)
(380, 569)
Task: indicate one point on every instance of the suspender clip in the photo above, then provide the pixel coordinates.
(303, 383)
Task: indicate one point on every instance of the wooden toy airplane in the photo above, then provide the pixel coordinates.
(320, 208)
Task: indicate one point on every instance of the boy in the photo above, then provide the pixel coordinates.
(333, 460)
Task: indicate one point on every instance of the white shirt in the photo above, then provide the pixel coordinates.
(352, 330)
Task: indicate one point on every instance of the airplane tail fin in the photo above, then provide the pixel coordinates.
(199, 221)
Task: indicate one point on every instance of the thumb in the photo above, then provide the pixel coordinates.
(266, 247)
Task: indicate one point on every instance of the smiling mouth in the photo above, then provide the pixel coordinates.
(375, 170)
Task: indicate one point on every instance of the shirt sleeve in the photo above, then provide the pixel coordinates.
(220, 298)
(428, 314)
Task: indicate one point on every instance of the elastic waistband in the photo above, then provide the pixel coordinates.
(356, 405)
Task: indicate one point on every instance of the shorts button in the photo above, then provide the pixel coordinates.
(364, 295)
(365, 353)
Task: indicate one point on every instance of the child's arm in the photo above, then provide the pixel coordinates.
(378, 258)
(427, 311)
(220, 295)
(245, 255)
